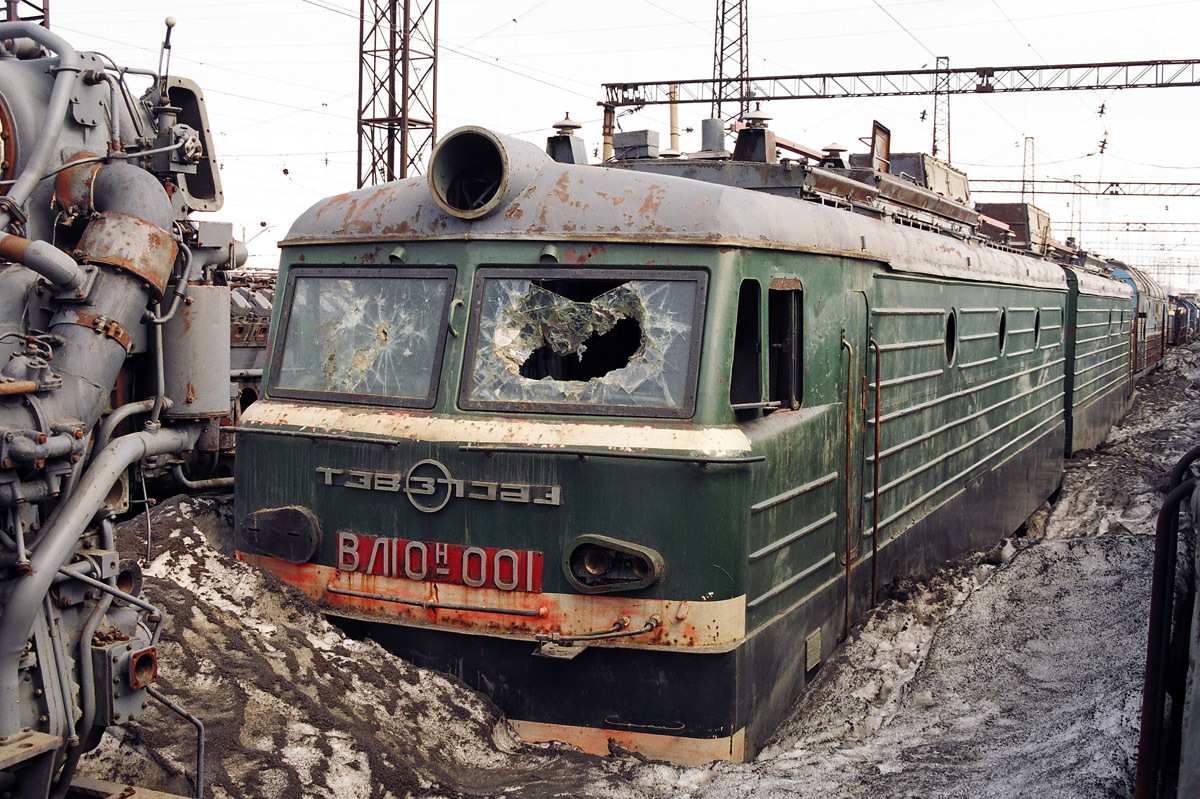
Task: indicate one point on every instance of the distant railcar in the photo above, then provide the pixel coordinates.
(1182, 324)
(630, 449)
(1149, 335)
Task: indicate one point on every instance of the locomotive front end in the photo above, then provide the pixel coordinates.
(482, 425)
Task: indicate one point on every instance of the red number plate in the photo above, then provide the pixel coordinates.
(478, 567)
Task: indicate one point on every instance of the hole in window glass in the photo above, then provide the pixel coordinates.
(586, 344)
(364, 335)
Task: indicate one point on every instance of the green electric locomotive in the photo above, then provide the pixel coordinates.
(629, 449)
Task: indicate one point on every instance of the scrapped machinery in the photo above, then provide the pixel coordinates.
(109, 378)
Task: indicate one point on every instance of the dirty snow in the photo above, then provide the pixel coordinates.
(1010, 673)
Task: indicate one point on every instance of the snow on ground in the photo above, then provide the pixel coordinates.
(1010, 673)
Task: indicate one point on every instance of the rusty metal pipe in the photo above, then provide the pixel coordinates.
(17, 387)
(43, 258)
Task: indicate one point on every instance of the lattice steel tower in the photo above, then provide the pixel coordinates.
(941, 110)
(731, 61)
(397, 88)
(36, 11)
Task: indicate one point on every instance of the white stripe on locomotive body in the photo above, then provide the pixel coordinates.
(348, 419)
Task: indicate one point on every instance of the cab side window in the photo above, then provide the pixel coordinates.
(745, 381)
(784, 307)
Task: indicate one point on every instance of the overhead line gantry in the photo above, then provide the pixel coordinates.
(1105, 188)
(906, 83)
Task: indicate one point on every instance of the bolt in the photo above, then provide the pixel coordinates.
(43, 719)
(41, 438)
(117, 715)
(38, 692)
(114, 658)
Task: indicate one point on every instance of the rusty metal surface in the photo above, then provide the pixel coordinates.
(105, 326)
(21, 746)
(711, 625)
(73, 186)
(132, 244)
(8, 142)
(89, 787)
(912, 196)
(567, 202)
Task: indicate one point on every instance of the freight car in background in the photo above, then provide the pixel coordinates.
(629, 448)
(1149, 337)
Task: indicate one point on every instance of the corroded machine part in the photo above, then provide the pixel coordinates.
(96, 264)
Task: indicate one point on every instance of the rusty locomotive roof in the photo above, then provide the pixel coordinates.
(549, 201)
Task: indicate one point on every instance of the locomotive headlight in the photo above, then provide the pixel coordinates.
(595, 560)
(597, 564)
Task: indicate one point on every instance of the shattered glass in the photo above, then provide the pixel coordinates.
(364, 335)
(629, 346)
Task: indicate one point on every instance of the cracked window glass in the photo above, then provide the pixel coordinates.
(614, 345)
(365, 335)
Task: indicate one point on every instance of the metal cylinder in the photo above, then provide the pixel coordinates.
(197, 367)
(712, 135)
(473, 172)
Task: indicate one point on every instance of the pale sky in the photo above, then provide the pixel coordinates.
(281, 81)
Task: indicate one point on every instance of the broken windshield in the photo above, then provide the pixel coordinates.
(611, 342)
(363, 333)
